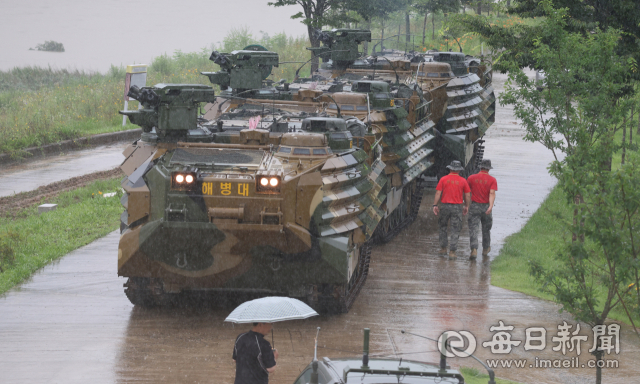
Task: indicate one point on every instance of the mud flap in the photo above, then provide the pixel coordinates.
(335, 252)
(459, 147)
(393, 200)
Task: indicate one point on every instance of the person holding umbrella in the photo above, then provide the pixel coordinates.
(253, 355)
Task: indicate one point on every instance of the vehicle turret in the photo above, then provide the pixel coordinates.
(170, 108)
(340, 45)
(242, 70)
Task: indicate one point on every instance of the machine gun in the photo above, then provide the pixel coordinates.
(242, 70)
(340, 45)
(171, 108)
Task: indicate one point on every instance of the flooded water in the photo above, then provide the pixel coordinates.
(97, 34)
(72, 322)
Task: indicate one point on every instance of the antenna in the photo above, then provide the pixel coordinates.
(337, 106)
(418, 71)
(392, 67)
(443, 353)
(381, 42)
(314, 56)
(315, 350)
(375, 60)
(369, 113)
(365, 350)
(314, 363)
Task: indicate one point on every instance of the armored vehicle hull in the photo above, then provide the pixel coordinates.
(308, 237)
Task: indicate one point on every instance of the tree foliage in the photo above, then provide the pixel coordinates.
(316, 14)
(581, 16)
(585, 15)
(426, 7)
(584, 82)
(435, 6)
(50, 46)
(587, 94)
(371, 9)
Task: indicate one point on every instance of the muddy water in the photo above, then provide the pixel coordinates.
(97, 34)
(72, 323)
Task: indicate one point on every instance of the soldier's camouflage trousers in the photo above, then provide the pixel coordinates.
(453, 213)
(477, 216)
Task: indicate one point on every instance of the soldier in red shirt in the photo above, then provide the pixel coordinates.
(453, 189)
(483, 194)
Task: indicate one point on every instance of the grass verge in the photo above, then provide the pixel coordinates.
(540, 239)
(474, 376)
(29, 241)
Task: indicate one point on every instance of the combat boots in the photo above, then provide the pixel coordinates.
(485, 251)
(443, 252)
(474, 254)
(452, 255)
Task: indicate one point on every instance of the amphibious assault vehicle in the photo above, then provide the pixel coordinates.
(285, 192)
(262, 212)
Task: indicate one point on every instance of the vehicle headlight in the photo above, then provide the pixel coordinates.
(268, 184)
(183, 181)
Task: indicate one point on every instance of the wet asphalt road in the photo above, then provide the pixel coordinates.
(29, 176)
(72, 323)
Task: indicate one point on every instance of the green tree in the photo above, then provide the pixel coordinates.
(316, 14)
(407, 22)
(583, 105)
(466, 4)
(582, 16)
(369, 10)
(426, 7)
